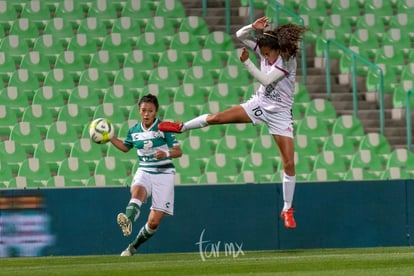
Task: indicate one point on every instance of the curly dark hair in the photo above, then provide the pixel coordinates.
(284, 38)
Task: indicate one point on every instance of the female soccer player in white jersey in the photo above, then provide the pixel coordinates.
(272, 102)
(155, 174)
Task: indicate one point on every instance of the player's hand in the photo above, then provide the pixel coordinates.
(244, 55)
(160, 154)
(260, 23)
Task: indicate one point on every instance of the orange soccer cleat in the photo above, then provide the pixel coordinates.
(170, 127)
(287, 217)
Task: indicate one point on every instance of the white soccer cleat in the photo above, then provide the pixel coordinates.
(129, 251)
(125, 224)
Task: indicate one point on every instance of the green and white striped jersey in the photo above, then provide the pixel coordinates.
(149, 141)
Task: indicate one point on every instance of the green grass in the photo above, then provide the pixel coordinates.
(364, 261)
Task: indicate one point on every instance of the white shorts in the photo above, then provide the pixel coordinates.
(160, 187)
(279, 123)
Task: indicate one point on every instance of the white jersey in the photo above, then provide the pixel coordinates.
(277, 80)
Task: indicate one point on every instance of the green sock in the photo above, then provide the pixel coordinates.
(132, 211)
(144, 234)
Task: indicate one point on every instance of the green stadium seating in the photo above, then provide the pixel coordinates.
(346, 8)
(171, 9)
(306, 146)
(37, 63)
(75, 115)
(401, 158)
(392, 57)
(196, 25)
(6, 174)
(259, 164)
(140, 10)
(215, 166)
(63, 133)
(7, 66)
(332, 161)
(8, 118)
(209, 60)
(389, 75)
(13, 97)
(396, 37)
(224, 93)
(323, 109)
(120, 96)
(178, 111)
(71, 11)
(395, 173)
(128, 159)
(399, 94)
(190, 95)
(366, 41)
(235, 76)
(95, 79)
(200, 77)
(94, 28)
(128, 27)
(314, 127)
(110, 111)
(49, 97)
(380, 8)
(38, 116)
(7, 14)
(233, 146)
(26, 80)
(142, 62)
(117, 43)
(165, 78)
(61, 81)
(367, 160)
(27, 135)
(112, 168)
(26, 30)
(151, 44)
(35, 169)
(13, 154)
(377, 143)
(322, 174)
(106, 61)
(85, 97)
(340, 144)
(194, 145)
(162, 27)
(123, 130)
(87, 151)
(132, 80)
(186, 43)
(188, 169)
(349, 126)
(266, 145)
(70, 62)
(173, 59)
(50, 151)
(359, 174)
(60, 28)
(75, 170)
(221, 42)
(104, 10)
(48, 45)
(83, 45)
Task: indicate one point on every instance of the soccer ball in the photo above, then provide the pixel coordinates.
(101, 130)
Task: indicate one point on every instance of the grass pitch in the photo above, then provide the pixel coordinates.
(363, 261)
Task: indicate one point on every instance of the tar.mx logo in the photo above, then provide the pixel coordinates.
(209, 249)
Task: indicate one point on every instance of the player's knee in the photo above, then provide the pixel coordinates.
(213, 119)
(289, 167)
(153, 224)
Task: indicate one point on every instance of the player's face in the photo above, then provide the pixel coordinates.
(269, 54)
(148, 112)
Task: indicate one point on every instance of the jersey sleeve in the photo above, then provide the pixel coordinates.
(128, 140)
(171, 139)
(243, 35)
(275, 74)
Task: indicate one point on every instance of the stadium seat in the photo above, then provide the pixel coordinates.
(399, 94)
(303, 167)
(35, 169)
(221, 42)
(224, 93)
(63, 133)
(122, 131)
(407, 73)
(211, 107)
(75, 115)
(59, 28)
(389, 53)
(188, 169)
(367, 160)
(380, 8)
(139, 9)
(377, 143)
(397, 38)
(131, 79)
(86, 150)
(128, 27)
(332, 161)
(27, 135)
(359, 174)
(110, 111)
(83, 45)
(165, 78)
(323, 109)
(173, 59)
(107, 62)
(121, 96)
(349, 126)
(61, 80)
(209, 60)
(48, 45)
(162, 27)
(404, 6)
(50, 151)
(128, 159)
(210, 135)
(98, 180)
(6, 174)
(194, 145)
(301, 96)
(256, 162)
(38, 116)
(37, 63)
(315, 9)
(306, 146)
(178, 111)
(314, 127)
(401, 158)
(390, 79)
(25, 80)
(220, 168)
(234, 146)
(7, 66)
(266, 145)
(117, 43)
(334, 27)
(247, 132)
(15, 98)
(139, 60)
(50, 98)
(113, 169)
(71, 11)
(7, 14)
(322, 174)
(394, 173)
(346, 8)
(200, 77)
(372, 22)
(366, 41)
(171, 9)
(186, 43)
(13, 154)
(235, 76)
(403, 21)
(8, 118)
(196, 26)
(190, 95)
(85, 98)
(164, 98)
(151, 44)
(75, 170)
(96, 80)
(26, 30)
(70, 62)
(247, 176)
(104, 10)
(92, 27)
(340, 144)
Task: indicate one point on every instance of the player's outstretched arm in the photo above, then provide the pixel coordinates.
(119, 144)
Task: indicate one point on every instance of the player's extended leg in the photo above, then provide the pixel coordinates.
(125, 221)
(286, 149)
(146, 232)
(235, 114)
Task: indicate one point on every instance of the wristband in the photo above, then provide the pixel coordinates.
(168, 154)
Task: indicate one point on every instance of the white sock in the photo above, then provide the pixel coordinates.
(149, 230)
(288, 190)
(136, 201)
(197, 122)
